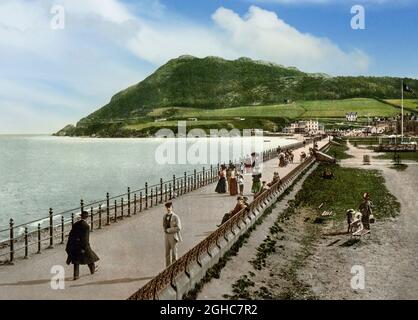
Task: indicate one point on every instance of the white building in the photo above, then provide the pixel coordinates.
(351, 116)
(310, 127)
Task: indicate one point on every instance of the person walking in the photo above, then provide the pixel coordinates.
(365, 208)
(241, 184)
(78, 247)
(172, 231)
(221, 186)
(232, 182)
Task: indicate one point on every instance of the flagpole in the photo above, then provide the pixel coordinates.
(402, 114)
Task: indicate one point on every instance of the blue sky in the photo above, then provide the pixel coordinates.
(50, 78)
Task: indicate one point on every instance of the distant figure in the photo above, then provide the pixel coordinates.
(238, 207)
(241, 184)
(242, 167)
(365, 208)
(276, 178)
(221, 186)
(354, 223)
(327, 174)
(282, 159)
(78, 247)
(263, 188)
(232, 182)
(256, 186)
(302, 156)
(172, 228)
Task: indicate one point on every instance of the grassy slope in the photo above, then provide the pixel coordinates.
(339, 108)
(305, 109)
(404, 156)
(410, 105)
(288, 111)
(345, 191)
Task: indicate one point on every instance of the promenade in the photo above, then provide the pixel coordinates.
(131, 251)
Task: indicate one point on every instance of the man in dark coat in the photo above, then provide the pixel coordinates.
(78, 247)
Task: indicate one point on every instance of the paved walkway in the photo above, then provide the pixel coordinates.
(131, 252)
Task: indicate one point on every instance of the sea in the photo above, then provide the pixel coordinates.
(38, 172)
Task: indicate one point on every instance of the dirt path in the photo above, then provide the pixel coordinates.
(389, 255)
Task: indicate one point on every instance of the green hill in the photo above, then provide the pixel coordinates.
(216, 85)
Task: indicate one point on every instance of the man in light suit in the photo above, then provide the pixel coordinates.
(172, 228)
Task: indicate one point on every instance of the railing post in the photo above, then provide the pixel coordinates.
(116, 211)
(161, 190)
(39, 238)
(100, 216)
(169, 187)
(81, 205)
(140, 201)
(146, 195)
(151, 196)
(135, 200)
(194, 180)
(62, 229)
(107, 209)
(121, 208)
(166, 191)
(91, 220)
(51, 229)
(129, 202)
(26, 243)
(211, 173)
(12, 249)
(174, 186)
(72, 219)
(185, 182)
(204, 176)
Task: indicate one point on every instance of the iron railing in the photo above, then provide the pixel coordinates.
(53, 229)
(167, 277)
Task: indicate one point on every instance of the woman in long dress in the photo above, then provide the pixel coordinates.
(221, 186)
(233, 186)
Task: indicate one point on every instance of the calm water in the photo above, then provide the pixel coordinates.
(38, 172)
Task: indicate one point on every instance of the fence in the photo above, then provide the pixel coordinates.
(169, 280)
(53, 229)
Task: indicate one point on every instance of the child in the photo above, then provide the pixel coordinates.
(241, 184)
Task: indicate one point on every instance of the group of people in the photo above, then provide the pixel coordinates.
(242, 202)
(359, 221)
(230, 179)
(285, 157)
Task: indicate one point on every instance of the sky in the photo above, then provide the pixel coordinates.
(60, 60)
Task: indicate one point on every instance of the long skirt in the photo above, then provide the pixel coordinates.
(233, 187)
(256, 187)
(221, 186)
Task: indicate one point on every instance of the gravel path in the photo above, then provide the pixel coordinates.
(389, 255)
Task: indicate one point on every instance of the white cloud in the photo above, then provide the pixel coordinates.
(260, 34)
